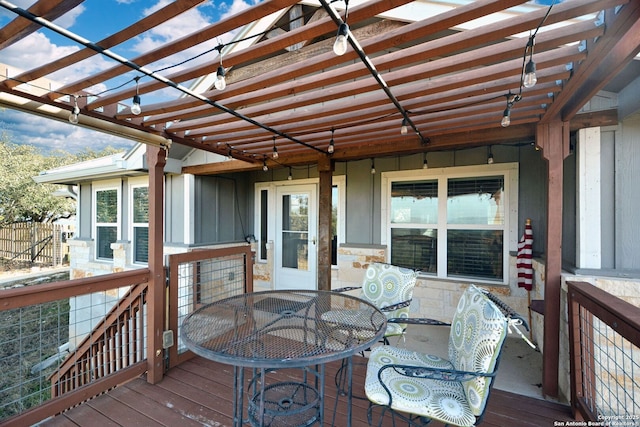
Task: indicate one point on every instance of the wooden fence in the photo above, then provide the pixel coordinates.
(38, 243)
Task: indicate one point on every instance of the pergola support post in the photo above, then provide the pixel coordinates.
(325, 170)
(553, 138)
(156, 159)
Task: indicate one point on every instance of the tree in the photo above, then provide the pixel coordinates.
(21, 198)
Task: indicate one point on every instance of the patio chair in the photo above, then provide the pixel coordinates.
(390, 289)
(418, 388)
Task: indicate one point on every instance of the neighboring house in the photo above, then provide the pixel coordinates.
(456, 215)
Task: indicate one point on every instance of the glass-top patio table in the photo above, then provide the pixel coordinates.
(265, 331)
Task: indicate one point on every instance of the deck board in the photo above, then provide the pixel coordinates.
(199, 392)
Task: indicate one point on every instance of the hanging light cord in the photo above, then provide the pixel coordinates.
(68, 34)
(529, 47)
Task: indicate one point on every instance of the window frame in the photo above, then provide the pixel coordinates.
(97, 188)
(133, 184)
(510, 171)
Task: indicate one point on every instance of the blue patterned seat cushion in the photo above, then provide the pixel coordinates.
(385, 285)
(477, 333)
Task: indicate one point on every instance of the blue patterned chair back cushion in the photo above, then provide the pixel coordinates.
(386, 285)
(478, 330)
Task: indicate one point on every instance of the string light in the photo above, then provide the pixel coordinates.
(73, 117)
(403, 128)
(331, 147)
(290, 177)
(530, 77)
(275, 154)
(373, 167)
(490, 157)
(506, 115)
(340, 45)
(264, 165)
(135, 108)
(424, 162)
(220, 82)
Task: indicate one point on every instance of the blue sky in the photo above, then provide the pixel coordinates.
(95, 20)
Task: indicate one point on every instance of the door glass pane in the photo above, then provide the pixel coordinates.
(334, 224)
(264, 223)
(295, 231)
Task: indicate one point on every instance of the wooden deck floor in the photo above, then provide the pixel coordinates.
(199, 393)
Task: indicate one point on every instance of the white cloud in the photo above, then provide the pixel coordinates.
(68, 19)
(236, 7)
(37, 50)
(34, 51)
(50, 135)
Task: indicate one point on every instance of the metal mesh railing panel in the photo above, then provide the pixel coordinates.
(610, 372)
(33, 340)
(204, 281)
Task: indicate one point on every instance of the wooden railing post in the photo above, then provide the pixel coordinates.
(156, 159)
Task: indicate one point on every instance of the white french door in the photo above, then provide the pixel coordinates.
(296, 237)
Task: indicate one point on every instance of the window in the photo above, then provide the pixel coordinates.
(140, 223)
(106, 210)
(452, 225)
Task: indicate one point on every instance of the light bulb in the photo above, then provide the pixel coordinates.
(490, 159)
(290, 177)
(331, 147)
(275, 152)
(73, 117)
(530, 77)
(424, 164)
(265, 167)
(403, 128)
(340, 45)
(220, 82)
(135, 108)
(506, 118)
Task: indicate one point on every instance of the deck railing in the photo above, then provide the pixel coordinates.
(43, 324)
(604, 334)
(116, 342)
(203, 276)
(39, 323)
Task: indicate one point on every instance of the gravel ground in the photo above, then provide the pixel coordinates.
(12, 272)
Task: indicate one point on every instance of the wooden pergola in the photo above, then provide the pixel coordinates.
(449, 77)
